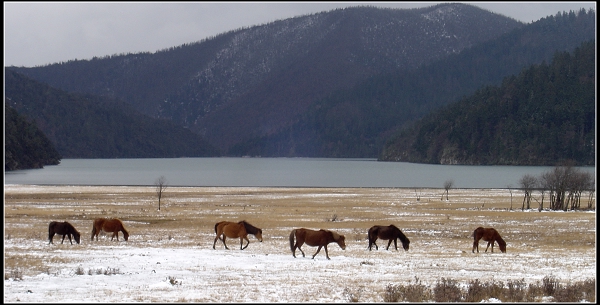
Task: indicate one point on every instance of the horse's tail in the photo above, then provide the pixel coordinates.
(93, 230)
(292, 241)
(216, 225)
(372, 233)
(51, 229)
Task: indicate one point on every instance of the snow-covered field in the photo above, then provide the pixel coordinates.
(169, 255)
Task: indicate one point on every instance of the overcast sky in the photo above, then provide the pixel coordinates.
(39, 33)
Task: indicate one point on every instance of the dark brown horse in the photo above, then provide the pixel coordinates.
(109, 225)
(64, 229)
(490, 235)
(314, 238)
(390, 232)
(234, 230)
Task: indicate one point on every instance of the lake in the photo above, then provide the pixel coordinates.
(273, 172)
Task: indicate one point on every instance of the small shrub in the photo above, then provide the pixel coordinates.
(550, 285)
(353, 296)
(15, 274)
(416, 292)
(111, 271)
(392, 293)
(588, 289)
(476, 292)
(174, 281)
(577, 292)
(516, 290)
(79, 271)
(447, 290)
(534, 292)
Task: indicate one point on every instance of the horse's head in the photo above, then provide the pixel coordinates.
(502, 246)
(77, 236)
(406, 244)
(259, 235)
(125, 235)
(340, 239)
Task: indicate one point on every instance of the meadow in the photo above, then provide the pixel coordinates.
(169, 256)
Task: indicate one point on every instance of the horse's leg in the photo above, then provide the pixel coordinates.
(50, 237)
(389, 243)
(326, 253)
(63, 239)
(70, 238)
(224, 236)
(318, 249)
(215, 242)
(247, 240)
(475, 246)
(299, 245)
(488, 245)
(396, 243)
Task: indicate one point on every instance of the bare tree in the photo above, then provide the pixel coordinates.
(510, 191)
(447, 186)
(528, 183)
(161, 186)
(565, 185)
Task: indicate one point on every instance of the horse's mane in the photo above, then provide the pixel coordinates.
(335, 235)
(250, 228)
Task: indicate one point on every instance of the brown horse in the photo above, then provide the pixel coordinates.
(314, 238)
(490, 235)
(64, 229)
(109, 225)
(234, 230)
(390, 232)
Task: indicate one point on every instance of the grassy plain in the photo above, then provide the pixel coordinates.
(438, 228)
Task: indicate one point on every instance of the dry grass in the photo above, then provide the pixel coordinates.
(189, 213)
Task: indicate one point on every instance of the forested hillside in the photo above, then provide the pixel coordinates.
(544, 115)
(85, 126)
(253, 82)
(25, 145)
(357, 122)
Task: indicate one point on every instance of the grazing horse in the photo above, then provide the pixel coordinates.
(390, 232)
(490, 235)
(314, 238)
(64, 229)
(112, 225)
(233, 230)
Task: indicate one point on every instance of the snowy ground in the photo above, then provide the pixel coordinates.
(170, 267)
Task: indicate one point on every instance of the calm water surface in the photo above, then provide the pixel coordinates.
(274, 172)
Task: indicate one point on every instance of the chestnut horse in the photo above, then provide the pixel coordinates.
(490, 235)
(64, 229)
(314, 238)
(390, 232)
(234, 230)
(112, 225)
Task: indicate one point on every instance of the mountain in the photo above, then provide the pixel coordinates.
(332, 84)
(357, 122)
(86, 126)
(256, 81)
(25, 145)
(544, 115)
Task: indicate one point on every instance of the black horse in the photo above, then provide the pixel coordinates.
(390, 232)
(64, 229)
